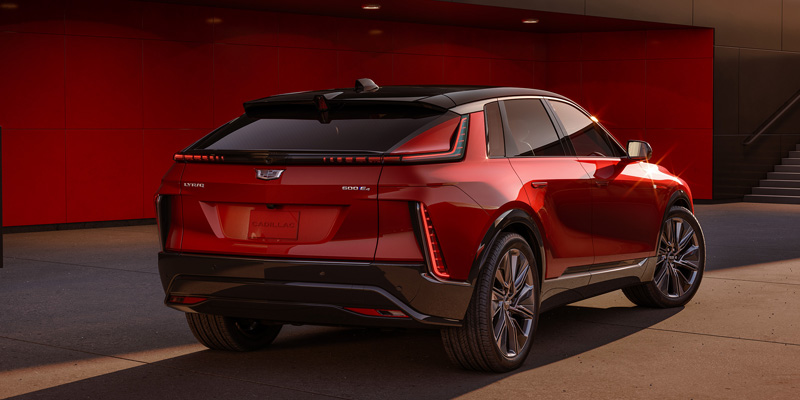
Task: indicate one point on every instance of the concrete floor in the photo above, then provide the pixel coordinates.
(81, 316)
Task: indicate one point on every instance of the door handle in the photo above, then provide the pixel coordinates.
(601, 183)
(539, 185)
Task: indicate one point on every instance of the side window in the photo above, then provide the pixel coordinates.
(494, 130)
(587, 138)
(531, 132)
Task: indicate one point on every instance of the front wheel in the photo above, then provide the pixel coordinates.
(680, 261)
(498, 328)
(233, 334)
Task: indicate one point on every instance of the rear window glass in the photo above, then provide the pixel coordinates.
(367, 127)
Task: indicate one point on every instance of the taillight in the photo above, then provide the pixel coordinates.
(432, 249)
(417, 149)
(168, 219)
(444, 142)
(377, 312)
(188, 300)
(163, 218)
(197, 157)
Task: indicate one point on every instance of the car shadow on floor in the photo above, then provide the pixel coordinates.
(354, 363)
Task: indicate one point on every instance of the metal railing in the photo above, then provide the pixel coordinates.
(775, 117)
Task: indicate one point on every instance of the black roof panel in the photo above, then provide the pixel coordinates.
(438, 96)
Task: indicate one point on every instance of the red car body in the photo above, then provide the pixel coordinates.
(398, 237)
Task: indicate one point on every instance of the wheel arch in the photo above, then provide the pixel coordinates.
(516, 221)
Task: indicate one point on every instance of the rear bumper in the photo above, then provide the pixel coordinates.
(312, 291)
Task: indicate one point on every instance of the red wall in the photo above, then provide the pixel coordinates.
(653, 85)
(98, 95)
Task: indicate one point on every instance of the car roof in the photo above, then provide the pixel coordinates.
(440, 96)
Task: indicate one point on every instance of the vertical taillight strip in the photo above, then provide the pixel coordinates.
(163, 217)
(432, 249)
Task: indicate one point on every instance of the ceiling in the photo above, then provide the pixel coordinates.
(440, 12)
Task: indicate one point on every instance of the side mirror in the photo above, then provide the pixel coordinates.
(639, 150)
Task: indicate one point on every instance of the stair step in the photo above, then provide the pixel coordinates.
(775, 183)
(787, 168)
(777, 191)
(761, 198)
(791, 161)
(786, 176)
(794, 154)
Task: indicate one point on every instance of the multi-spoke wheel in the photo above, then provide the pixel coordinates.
(226, 333)
(680, 260)
(513, 310)
(501, 319)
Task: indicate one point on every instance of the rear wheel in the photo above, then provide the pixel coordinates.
(680, 261)
(232, 334)
(500, 322)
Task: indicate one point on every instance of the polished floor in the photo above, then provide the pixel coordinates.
(81, 316)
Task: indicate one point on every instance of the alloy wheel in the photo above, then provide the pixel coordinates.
(513, 308)
(678, 259)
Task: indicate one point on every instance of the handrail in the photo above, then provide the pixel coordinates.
(773, 118)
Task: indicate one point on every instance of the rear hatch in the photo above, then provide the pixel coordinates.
(296, 180)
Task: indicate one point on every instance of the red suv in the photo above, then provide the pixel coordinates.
(467, 209)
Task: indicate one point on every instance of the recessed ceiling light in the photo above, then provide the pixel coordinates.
(371, 6)
(530, 21)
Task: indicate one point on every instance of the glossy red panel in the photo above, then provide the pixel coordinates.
(613, 45)
(687, 154)
(33, 81)
(356, 65)
(306, 69)
(364, 34)
(680, 43)
(539, 46)
(33, 177)
(178, 89)
(564, 47)
(614, 91)
(245, 27)
(564, 78)
(467, 71)
(418, 38)
(104, 18)
(178, 22)
(36, 16)
(459, 41)
(510, 45)
(104, 175)
(159, 147)
(412, 69)
(539, 74)
(242, 73)
(512, 73)
(104, 82)
(308, 31)
(680, 93)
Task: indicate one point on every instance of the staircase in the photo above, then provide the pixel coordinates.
(781, 186)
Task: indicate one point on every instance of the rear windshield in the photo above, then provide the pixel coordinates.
(345, 128)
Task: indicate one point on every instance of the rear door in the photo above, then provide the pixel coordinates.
(557, 187)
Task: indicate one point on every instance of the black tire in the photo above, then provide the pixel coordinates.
(232, 334)
(495, 304)
(680, 262)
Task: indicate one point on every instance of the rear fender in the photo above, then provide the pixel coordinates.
(513, 220)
